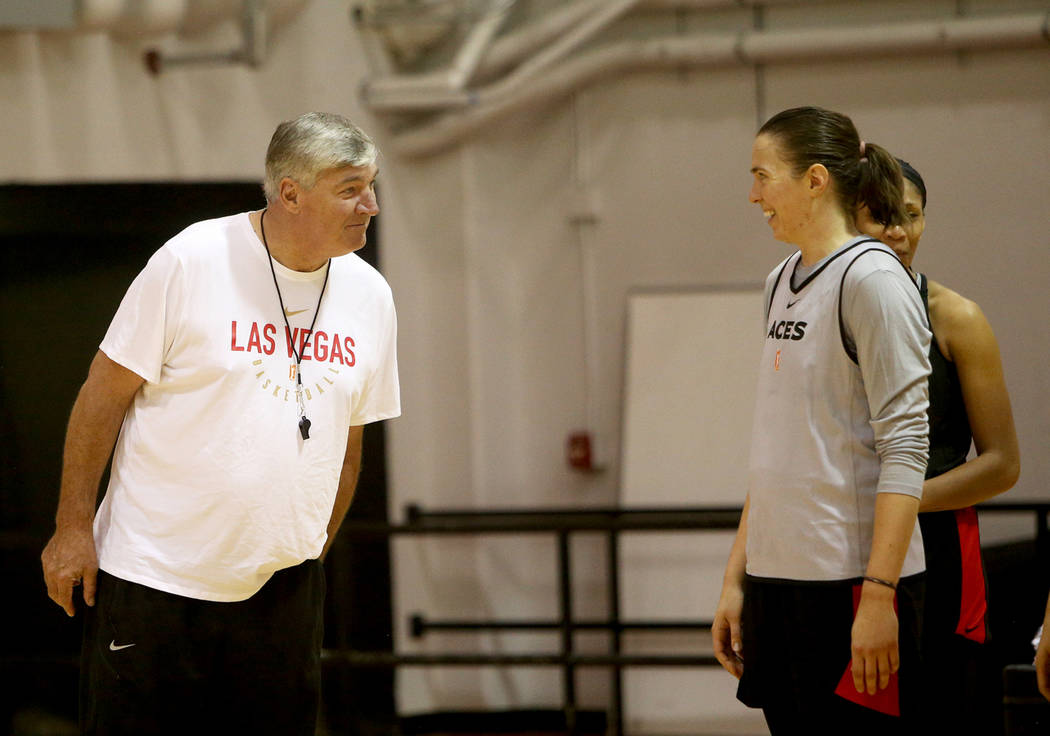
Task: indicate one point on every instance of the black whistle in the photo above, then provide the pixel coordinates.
(304, 428)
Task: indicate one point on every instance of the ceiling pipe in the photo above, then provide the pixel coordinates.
(512, 48)
(478, 41)
(712, 50)
(447, 89)
(956, 34)
(443, 89)
(608, 14)
(406, 96)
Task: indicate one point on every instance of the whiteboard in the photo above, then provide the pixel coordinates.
(689, 392)
(689, 395)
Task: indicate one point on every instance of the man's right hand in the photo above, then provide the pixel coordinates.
(69, 559)
(69, 562)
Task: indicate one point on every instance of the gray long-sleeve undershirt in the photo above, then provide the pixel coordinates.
(885, 323)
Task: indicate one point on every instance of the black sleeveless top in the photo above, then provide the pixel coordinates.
(949, 425)
(956, 592)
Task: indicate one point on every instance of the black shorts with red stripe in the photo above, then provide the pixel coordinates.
(962, 679)
(797, 652)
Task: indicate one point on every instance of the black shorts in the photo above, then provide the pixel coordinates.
(157, 663)
(797, 646)
(963, 680)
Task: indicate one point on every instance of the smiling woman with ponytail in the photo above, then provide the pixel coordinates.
(821, 603)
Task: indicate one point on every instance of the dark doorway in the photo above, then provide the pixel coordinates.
(67, 254)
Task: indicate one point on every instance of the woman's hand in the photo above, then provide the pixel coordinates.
(874, 643)
(725, 630)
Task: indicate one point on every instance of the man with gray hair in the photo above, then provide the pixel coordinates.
(234, 381)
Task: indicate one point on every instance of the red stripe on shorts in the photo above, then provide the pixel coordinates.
(973, 603)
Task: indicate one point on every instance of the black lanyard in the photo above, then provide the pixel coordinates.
(304, 423)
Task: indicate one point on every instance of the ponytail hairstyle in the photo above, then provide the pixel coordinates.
(861, 173)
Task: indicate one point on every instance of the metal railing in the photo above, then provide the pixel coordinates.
(561, 524)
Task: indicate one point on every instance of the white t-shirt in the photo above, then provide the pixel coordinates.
(213, 489)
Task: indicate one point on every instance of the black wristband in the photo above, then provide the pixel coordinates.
(880, 581)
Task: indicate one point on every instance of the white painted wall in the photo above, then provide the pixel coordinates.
(488, 267)
(665, 156)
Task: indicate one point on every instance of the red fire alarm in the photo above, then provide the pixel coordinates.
(579, 452)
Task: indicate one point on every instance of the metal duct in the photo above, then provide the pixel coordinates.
(709, 50)
(443, 90)
(512, 48)
(509, 50)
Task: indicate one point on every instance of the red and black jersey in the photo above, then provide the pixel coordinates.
(956, 600)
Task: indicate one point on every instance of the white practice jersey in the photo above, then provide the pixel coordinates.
(840, 413)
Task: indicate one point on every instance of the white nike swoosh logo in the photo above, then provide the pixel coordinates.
(290, 313)
(114, 647)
